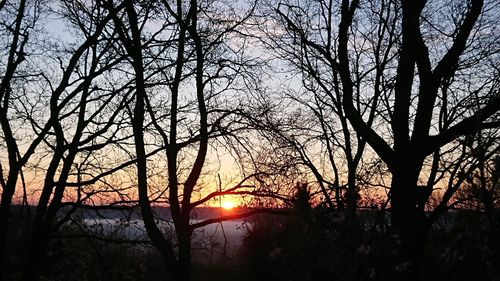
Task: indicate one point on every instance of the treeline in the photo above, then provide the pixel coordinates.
(311, 244)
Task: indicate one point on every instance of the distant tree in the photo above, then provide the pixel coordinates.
(469, 188)
(480, 183)
(445, 56)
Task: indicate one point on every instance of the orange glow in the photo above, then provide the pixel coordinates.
(228, 204)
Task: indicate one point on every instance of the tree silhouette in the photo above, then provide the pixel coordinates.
(181, 73)
(434, 49)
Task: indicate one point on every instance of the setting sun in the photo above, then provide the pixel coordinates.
(228, 205)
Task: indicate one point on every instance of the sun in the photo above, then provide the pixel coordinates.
(228, 205)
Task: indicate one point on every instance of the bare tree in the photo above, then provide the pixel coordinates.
(17, 23)
(443, 59)
(189, 62)
(57, 107)
(318, 130)
(84, 117)
(476, 179)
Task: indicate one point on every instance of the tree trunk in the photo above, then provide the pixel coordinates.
(5, 210)
(36, 252)
(408, 226)
(184, 237)
(352, 195)
(4, 229)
